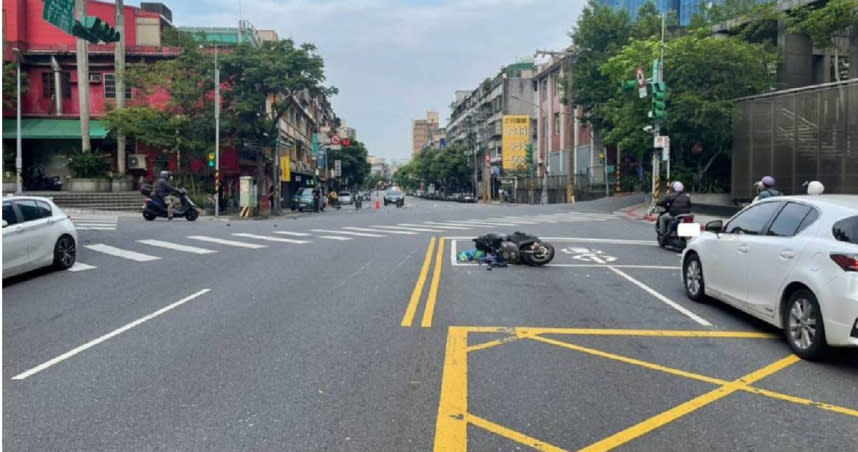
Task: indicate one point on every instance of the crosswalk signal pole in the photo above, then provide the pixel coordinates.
(217, 134)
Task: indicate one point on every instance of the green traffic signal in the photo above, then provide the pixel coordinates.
(630, 84)
(659, 100)
(94, 30)
(529, 154)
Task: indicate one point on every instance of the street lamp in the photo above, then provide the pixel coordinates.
(18, 159)
(544, 196)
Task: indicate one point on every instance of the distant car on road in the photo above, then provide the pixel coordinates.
(394, 196)
(346, 198)
(36, 234)
(791, 261)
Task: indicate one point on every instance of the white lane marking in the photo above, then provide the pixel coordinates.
(118, 252)
(235, 243)
(583, 239)
(435, 224)
(270, 239)
(95, 223)
(107, 336)
(94, 228)
(661, 297)
(357, 234)
(176, 246)
(79, 267)
(381, 231)
(334, 237)
(401, 228)
(295, 234)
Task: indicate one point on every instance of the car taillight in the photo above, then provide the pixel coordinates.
(848, 262)
(688, 219)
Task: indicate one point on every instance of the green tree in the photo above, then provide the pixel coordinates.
(10, 83)
(599, 34)
(704, 74)
(185, 124)
(353, 163)
(827, 24)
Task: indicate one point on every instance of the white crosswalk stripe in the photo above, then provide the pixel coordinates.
(295, 234)
(269, 238)
(334, 237)
(177, 247)
(445, 228)
(460, 227)
(401, 228)
(379, 231)
(95, 223)
(79, 267)
(356, 234)
(125, 254)
(234, 243)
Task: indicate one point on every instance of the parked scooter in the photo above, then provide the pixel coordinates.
(153, 208)
(516, 248)
(671, 238)
(34, 179)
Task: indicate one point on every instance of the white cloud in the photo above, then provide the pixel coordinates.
(394, 60)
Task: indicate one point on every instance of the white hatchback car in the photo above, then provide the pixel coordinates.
(36, 234)
(791, 261)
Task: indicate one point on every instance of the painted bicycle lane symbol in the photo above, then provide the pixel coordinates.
(589, 255)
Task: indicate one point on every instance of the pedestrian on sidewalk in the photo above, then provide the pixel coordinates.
(317, 199)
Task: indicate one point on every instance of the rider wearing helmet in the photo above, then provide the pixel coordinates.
(676, 203)
(769, 189)
(164, 193)
(815, 188)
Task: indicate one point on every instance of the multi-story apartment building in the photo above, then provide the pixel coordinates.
(422, 130)
(476, 119)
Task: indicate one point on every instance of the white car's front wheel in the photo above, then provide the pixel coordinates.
(65, 252)
(803, 326)
(692, 274)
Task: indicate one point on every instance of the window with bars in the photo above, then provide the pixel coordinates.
(48, 84)
(110, 87)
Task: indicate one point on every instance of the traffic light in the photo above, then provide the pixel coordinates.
(529, 154)
(211, 159)
(659, 100)
(94, 30)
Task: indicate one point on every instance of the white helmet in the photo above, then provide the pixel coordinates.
(815, 188)
(678, 187)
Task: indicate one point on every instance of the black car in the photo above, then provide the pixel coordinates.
(393, 197)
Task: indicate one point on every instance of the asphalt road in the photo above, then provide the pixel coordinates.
(308, 333)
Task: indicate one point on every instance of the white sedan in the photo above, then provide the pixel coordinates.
(791, 261)
(36, 234)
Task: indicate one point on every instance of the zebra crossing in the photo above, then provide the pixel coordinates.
(200, 245)
(95, 222)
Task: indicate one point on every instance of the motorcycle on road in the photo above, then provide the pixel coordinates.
(153, 208)
(671, 238)
(516, 248)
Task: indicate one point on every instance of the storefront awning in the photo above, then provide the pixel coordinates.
(53, 129)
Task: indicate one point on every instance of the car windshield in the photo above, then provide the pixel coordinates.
(216, 287)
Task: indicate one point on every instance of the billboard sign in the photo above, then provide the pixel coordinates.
(516, 138)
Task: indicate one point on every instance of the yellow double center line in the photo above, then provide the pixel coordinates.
(429, 310)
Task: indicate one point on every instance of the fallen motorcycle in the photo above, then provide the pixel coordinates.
(516, 248)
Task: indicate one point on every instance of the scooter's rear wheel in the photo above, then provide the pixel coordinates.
(191, 215)
(149, 216)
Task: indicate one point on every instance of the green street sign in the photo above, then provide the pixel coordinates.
(315, 145)
(94, 30)
(60, 13)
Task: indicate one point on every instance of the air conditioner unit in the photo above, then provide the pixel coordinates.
(137, 162)
(95, 78)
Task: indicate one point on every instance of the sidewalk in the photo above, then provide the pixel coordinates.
(640, 212)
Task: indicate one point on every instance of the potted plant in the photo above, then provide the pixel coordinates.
(89, 171)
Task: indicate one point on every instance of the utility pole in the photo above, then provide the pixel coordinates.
(217, 133)
(83, 79)
(18, 157)
(119, 62)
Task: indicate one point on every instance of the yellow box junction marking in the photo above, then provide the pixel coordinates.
(453, 417)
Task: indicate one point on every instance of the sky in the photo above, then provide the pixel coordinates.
(394, 60)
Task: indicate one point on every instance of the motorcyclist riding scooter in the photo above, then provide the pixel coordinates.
(162, 201)
(677, 207)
